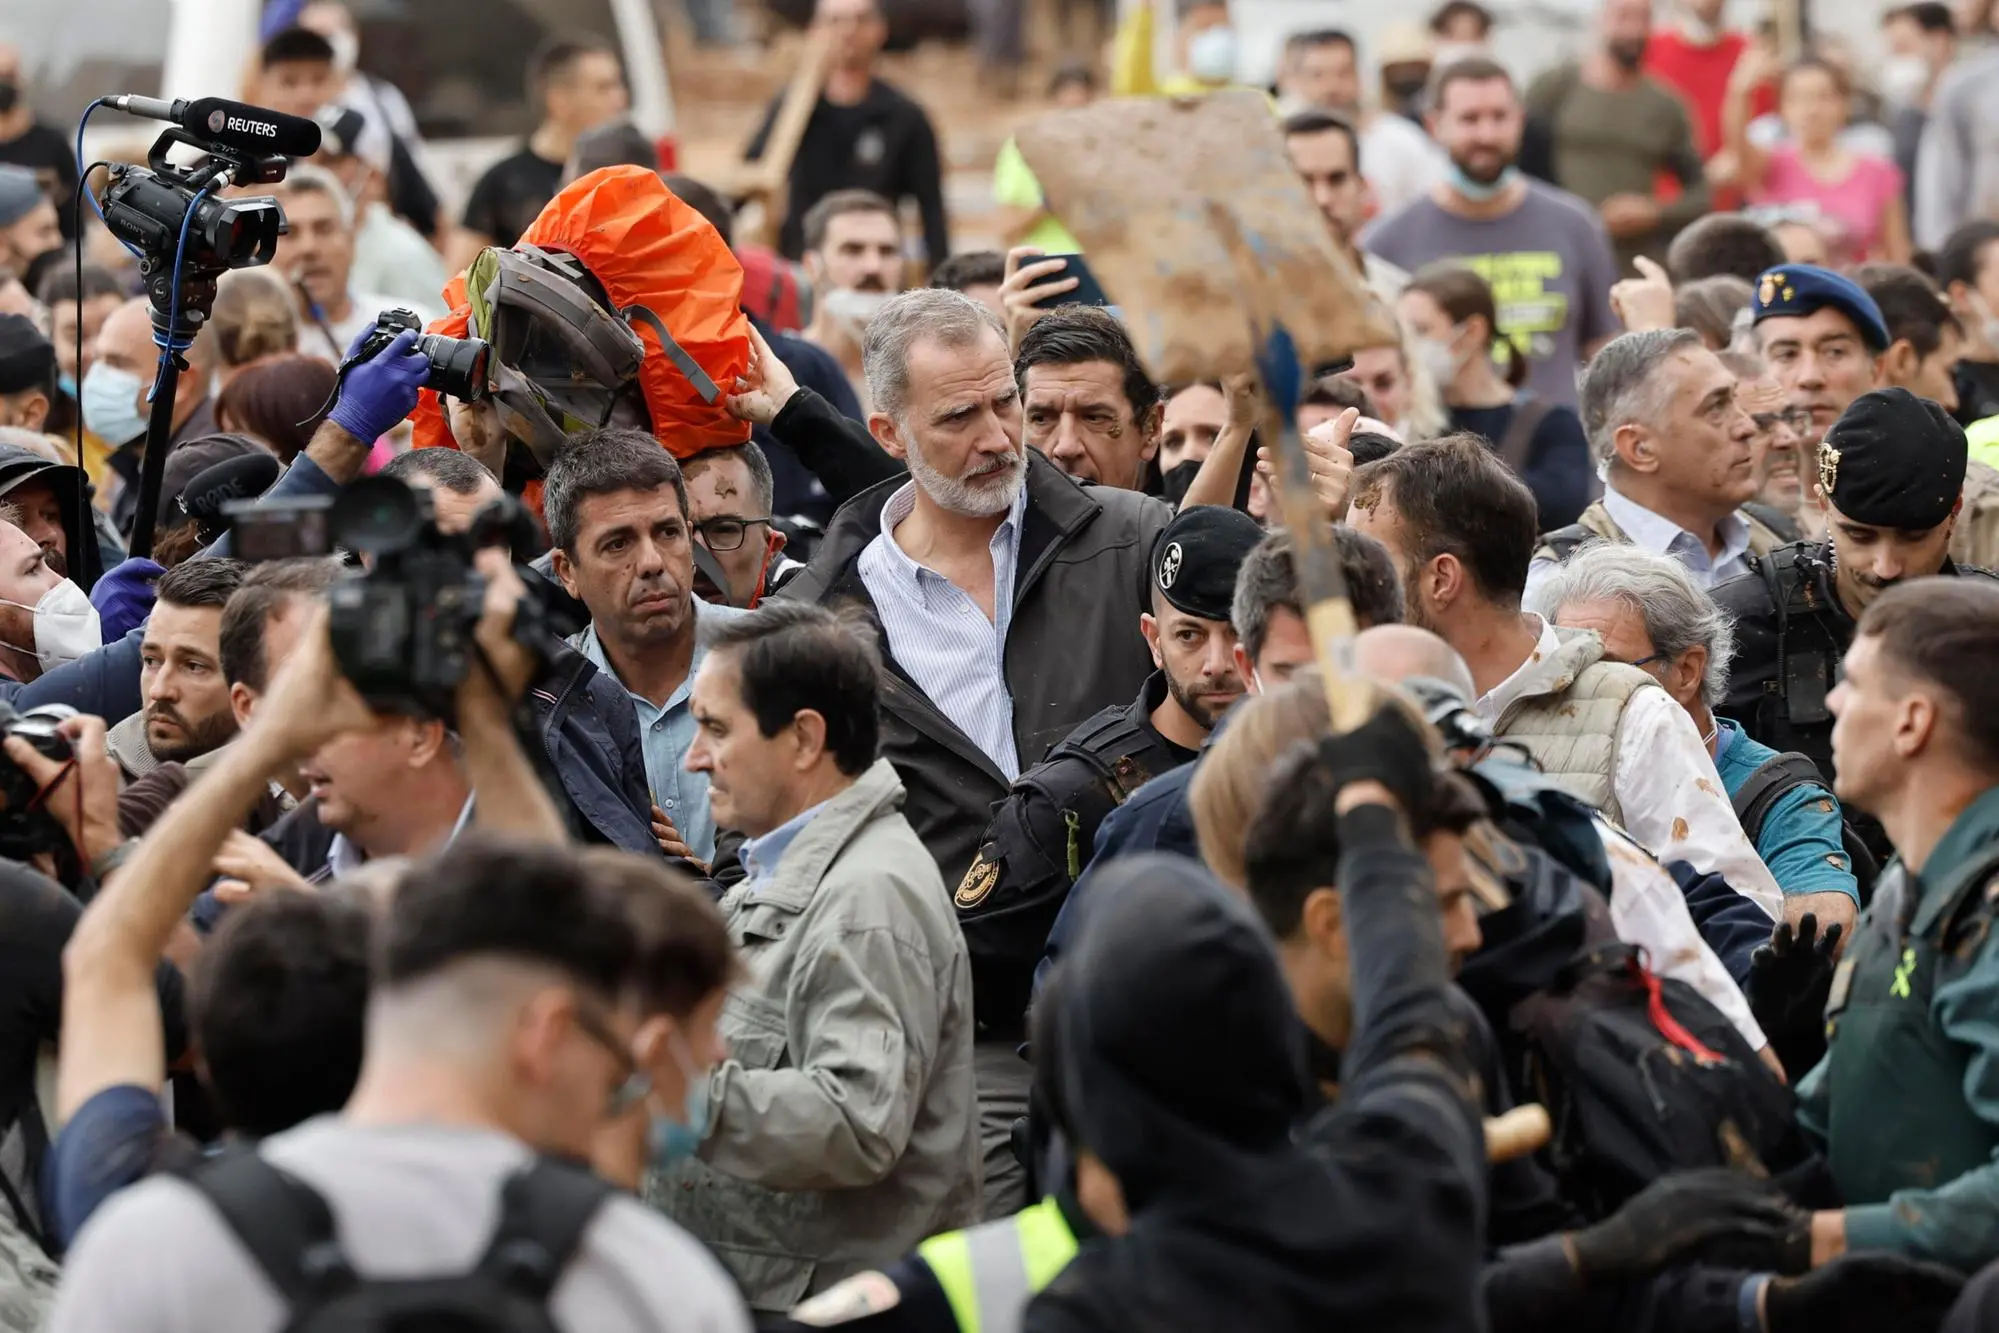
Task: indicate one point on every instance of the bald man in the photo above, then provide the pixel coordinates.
(1398, 652)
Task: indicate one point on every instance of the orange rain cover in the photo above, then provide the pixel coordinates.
(647, 248)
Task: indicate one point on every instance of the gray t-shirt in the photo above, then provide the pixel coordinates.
(1549, 263)
(408, 1201)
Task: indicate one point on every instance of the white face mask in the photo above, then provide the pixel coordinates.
(853, 307)
(1903, 79)
(1438, 358)
(346, 49)
(1211, 55)
(1987, 322)
(66, 626)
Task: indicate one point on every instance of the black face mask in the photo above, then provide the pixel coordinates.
(1407, 90)
(1628, 55)
(10, 95)
(1174, 481)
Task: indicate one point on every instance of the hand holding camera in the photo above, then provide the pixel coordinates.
(378, 384)
(63, 773)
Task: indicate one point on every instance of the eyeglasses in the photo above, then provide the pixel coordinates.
(636, 1084)
(1797, 418)
(1648, 661)
(725, 534)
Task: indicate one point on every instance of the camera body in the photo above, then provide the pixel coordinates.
(402, 631)
(25, 827)
(459, 367)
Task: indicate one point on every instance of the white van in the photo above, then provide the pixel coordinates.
(461, 63)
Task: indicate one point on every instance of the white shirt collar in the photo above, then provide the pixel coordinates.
(903, 503)
(1661, 536)
(1495, 701)
(343, 856)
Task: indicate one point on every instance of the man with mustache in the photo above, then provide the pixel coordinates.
(316, 255)
(853, 253)
(1006, 594)
(1890, 475)
(1780, 430)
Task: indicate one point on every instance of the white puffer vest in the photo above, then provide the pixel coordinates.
(1569, 717)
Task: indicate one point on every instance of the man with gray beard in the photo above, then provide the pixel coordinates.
(1006, 594)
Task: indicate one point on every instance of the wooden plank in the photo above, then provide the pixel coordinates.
(1137, 180)
(766, 178)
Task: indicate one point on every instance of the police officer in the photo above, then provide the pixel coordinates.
(1902, 1100)
(1041, 836)
(1891, 472)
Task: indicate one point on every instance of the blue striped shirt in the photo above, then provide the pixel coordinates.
(940, 637)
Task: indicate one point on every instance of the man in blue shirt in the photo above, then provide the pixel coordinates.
(616, 506)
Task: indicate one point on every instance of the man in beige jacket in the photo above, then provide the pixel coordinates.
(844, 1125)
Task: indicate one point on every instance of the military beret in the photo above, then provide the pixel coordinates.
(1196, 556)
(20, 191)
(27, 359)
(1893, 460)
(1804, 289)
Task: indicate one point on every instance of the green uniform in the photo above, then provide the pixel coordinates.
(1906, 1100)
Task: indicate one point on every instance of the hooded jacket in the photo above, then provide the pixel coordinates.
(1182, 1067)
(85, 557)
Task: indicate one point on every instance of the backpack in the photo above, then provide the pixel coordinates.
(289, 1230)
(1642, 1076)
(1777, 777)
(620, 305)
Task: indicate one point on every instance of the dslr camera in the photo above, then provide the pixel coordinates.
(402, 630)
(27, 828)
(459, 367)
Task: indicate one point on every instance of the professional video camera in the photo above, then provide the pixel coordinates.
(402, 631)
(187, 236)
(26, 827)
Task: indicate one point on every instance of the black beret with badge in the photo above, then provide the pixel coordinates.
(1893, 460)
(1196, 556)
(27, 359)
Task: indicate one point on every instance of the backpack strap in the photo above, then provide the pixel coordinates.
(1774, 778)
(282, 1221)
(1529, 411)
(685, 364)
(544, 1210)
(1561, 543)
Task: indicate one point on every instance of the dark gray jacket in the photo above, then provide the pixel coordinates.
(1073, 646)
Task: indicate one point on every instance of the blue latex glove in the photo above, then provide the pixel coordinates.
(123, 596)
(376, 394)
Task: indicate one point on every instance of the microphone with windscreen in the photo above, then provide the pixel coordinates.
(243, 478)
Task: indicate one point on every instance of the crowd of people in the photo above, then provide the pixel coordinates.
(889, 862)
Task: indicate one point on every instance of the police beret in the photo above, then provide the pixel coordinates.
(1805, 289)
(1195, 559)
(1893, 460)
(27, 359)
(20, 191)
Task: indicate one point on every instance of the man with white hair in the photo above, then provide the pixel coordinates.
(1651, 613)
(316, 255)
(1677, 454)
(1007, 594)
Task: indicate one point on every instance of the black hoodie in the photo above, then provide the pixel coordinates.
(1182, 1065)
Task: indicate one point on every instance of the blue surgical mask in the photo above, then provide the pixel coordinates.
(672, 1140)
(67, 383)
(110, 404)
(1480, 191)
(1211, 55)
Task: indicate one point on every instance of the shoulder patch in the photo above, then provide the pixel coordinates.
(972, 890)
(860, 1296)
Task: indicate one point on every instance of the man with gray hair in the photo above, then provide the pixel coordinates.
(1652, 613)
(316, 255)
(1008, 597)
(1676, 453)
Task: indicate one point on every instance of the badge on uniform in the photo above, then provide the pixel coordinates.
(1842, 983)
(1828, 469)
(1169, 564)
(860, 1296)
(978, 882)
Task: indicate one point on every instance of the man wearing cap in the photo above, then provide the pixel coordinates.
(29, 224)
(1042, 833)
(1890, 478)
(1825, 341)
(27, 373)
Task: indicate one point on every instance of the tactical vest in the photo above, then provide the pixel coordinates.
(1812, 637)
(989, 1272)
(1898, 1116)
(1037, 846)
(1572, 735)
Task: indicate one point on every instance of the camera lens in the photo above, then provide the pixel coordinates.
(458, 366)
(376, 515)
